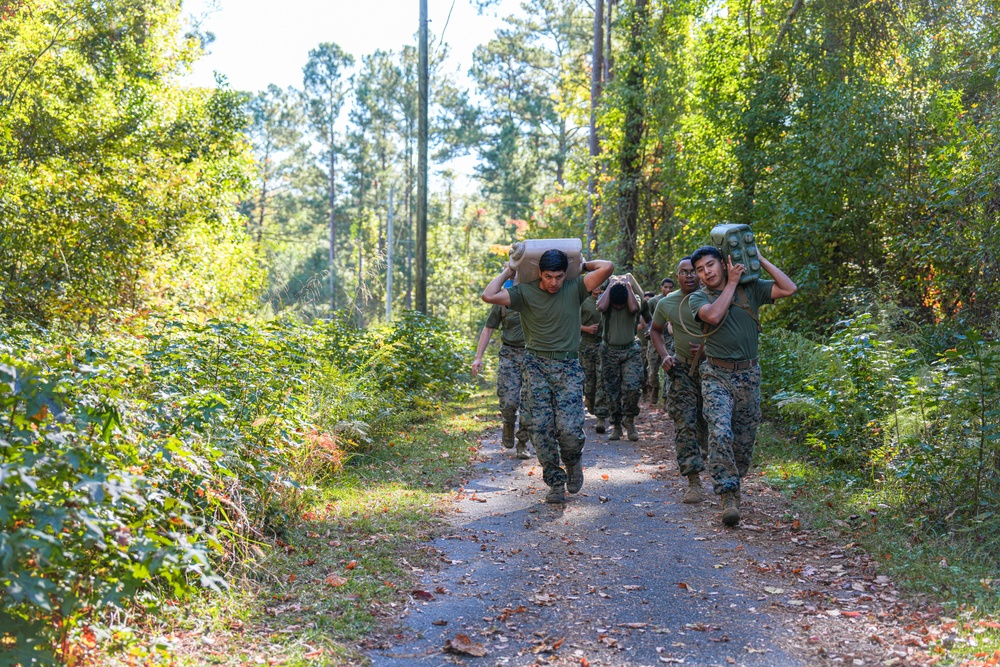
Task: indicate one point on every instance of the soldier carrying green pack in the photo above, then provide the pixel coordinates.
(730, 374)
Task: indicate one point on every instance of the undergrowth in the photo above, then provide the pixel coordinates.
(892, 441)
(142, 466)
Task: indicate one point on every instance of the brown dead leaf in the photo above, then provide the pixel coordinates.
(421, 595)
(335, 581)
(353, 564)
(460, 644)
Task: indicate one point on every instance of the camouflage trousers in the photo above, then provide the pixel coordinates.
(685, 407)
(621, 372)
(654, 361)
(552, 389)
(593, 388)
(731, 403)
(510, 388)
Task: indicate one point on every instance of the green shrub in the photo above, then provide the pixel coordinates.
(138, 467)
(91, 512)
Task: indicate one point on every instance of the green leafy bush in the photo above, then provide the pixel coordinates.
(138, 467)
(91, 513)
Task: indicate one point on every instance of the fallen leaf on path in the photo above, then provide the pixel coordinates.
(439, 621)
(462, 645)
(774, 591)
(421, 595)
(350, 566)
(604, 476)
(336, 581)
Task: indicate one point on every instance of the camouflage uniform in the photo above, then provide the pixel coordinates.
(731, 400)
(731, 395)
(510, 389)
(621, 375)
(684, 405)
(654, 361)
(593, 387)
(553, 388)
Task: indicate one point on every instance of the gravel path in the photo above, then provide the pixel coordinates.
(622, 574)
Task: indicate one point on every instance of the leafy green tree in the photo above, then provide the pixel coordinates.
(323, 80)
(107, 164)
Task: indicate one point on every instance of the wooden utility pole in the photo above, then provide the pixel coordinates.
(388, 262)
(333, 229)
(597, 67)
(422, 132)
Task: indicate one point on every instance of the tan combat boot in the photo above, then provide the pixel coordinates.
(694, 492)
(575, 482)
(556, 494)
(522, 450)
(730, 512)
(601, 425)
(508, 435)
(633, 434)
(616, 432)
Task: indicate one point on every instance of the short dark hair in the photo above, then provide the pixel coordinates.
(648, 295)
(705, 251)
(618, 294)
(665, 281)
(553, 260)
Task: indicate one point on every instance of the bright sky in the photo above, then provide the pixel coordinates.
(259, 42)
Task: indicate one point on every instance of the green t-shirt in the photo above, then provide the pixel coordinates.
(736, 339)
(590, 315)
(551, 322)
(668, 309)
(620, 325)
(509, 324)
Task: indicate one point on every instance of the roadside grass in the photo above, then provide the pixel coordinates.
(347, 565)
(958, 569)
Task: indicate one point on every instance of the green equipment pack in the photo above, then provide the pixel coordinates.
(737, 241)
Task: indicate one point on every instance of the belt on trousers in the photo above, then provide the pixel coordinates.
(732, 365)
(518, 347)
(558, 356)
(619, 347)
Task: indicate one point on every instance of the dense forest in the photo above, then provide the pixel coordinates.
(195, 335)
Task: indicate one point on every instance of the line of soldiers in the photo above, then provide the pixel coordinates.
(575, 344)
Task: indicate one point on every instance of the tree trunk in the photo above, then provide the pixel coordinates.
(596, 74)
(631, 155)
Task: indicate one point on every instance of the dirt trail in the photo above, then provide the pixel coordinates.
(623, 574)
